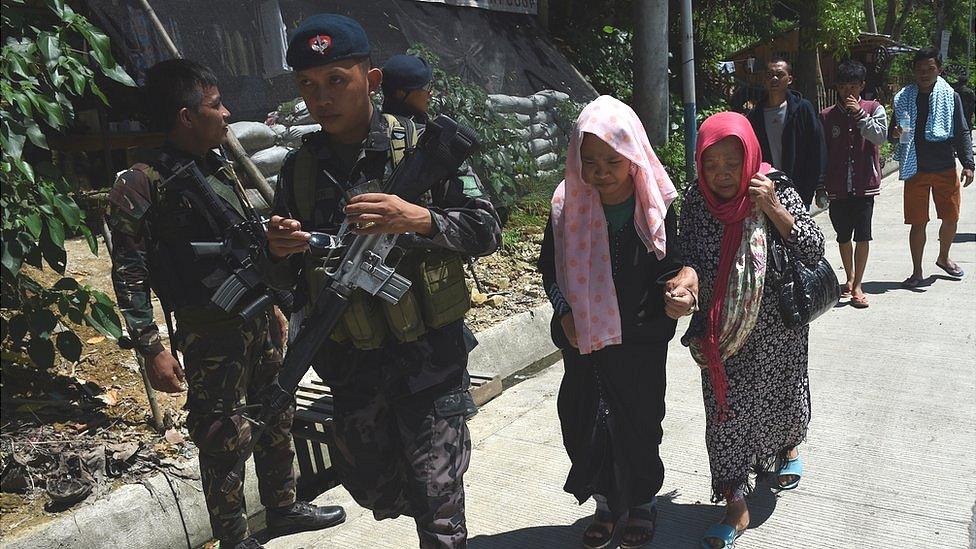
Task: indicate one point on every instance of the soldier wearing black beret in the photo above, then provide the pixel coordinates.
(397, 372)
(407, 86)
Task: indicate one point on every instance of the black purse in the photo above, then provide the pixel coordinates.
(803, 294)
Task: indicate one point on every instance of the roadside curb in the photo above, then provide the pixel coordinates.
(514, 344)
(165, 510)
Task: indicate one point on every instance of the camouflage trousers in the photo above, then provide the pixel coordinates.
(226, 368)
(405, 455)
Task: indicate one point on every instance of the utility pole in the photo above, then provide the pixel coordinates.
(869, 14)
(650, 43)
(688, 87)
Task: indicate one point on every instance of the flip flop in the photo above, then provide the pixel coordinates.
(911, 282)
(859, 301)
(845, 290)
(792, 468)
(721, 532)
(957, 273)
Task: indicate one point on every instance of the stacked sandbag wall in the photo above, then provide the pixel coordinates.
(267, 143)
(545, 131)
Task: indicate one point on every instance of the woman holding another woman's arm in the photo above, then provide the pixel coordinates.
(613, 271)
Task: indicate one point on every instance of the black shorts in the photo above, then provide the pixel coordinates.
(852, 216)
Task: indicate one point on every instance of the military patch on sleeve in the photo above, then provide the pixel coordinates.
(130, 200)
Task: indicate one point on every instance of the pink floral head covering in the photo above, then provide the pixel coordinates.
(582, 245)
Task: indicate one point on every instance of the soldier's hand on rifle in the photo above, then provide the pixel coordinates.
(285, 237)
(165, 373)
(378, 213)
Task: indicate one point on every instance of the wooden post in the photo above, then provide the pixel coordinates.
(157, 414)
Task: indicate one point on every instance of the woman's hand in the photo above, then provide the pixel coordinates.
(569, 328)
(763, 192)
(679, 302)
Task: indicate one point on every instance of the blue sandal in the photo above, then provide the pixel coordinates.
(721, 532)
(792, 467)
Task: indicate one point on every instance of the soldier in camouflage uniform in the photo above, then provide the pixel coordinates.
(227, 359)
(401, 444)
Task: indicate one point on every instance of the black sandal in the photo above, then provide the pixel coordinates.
(596, 535)
(640, 528)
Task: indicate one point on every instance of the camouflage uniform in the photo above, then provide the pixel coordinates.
(227, 360)
(401, 444)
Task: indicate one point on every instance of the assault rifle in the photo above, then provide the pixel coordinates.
(363, 265)
(241, 249)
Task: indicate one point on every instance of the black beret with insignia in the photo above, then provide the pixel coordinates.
(326, 38)
(407, 73)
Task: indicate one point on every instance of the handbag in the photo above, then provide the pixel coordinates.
(803, 294)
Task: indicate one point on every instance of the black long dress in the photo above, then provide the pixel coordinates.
(611, 402)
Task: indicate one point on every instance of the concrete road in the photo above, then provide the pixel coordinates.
(890, 458)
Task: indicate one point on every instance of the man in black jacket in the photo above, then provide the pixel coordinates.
(789, 131)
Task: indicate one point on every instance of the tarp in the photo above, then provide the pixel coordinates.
(242, 41)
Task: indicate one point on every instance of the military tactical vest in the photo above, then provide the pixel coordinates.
(179, 278)
(438, 294)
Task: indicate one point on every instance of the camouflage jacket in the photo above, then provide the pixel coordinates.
(142, 217)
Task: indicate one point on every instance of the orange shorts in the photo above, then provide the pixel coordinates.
(945, 193)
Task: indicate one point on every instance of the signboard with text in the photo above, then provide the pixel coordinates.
(530, 7)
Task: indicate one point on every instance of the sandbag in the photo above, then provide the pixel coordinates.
(253, 136)
(278, 129)
(543, 117)
(539, 147)
(548, 160)
(555, 95)
(536, 131)
(511, 104)
(269, 160)
(292, 136)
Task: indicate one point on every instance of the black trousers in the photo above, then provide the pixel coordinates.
(611, 405)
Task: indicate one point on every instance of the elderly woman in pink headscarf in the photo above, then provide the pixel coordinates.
(611, 267)
(754, 368)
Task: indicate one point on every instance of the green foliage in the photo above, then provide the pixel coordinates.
(606, 56)
(841, 22)
(504, 162)
(45, 61)
(672, 155)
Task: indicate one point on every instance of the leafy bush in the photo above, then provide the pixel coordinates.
(504, 161)
(44, 62)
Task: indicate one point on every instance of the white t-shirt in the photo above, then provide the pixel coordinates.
(775, 118)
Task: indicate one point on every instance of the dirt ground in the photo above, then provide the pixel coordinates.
(98, 405)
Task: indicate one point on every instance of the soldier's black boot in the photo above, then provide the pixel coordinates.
(248, 543)
(302, 516)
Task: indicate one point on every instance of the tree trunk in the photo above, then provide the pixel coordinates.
(869, 14)
(891, 16)
(906, 10)
(805, 70)
(940, 22)
(651, 68)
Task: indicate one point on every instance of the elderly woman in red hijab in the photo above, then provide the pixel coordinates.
(754, 368)
(611, 267)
